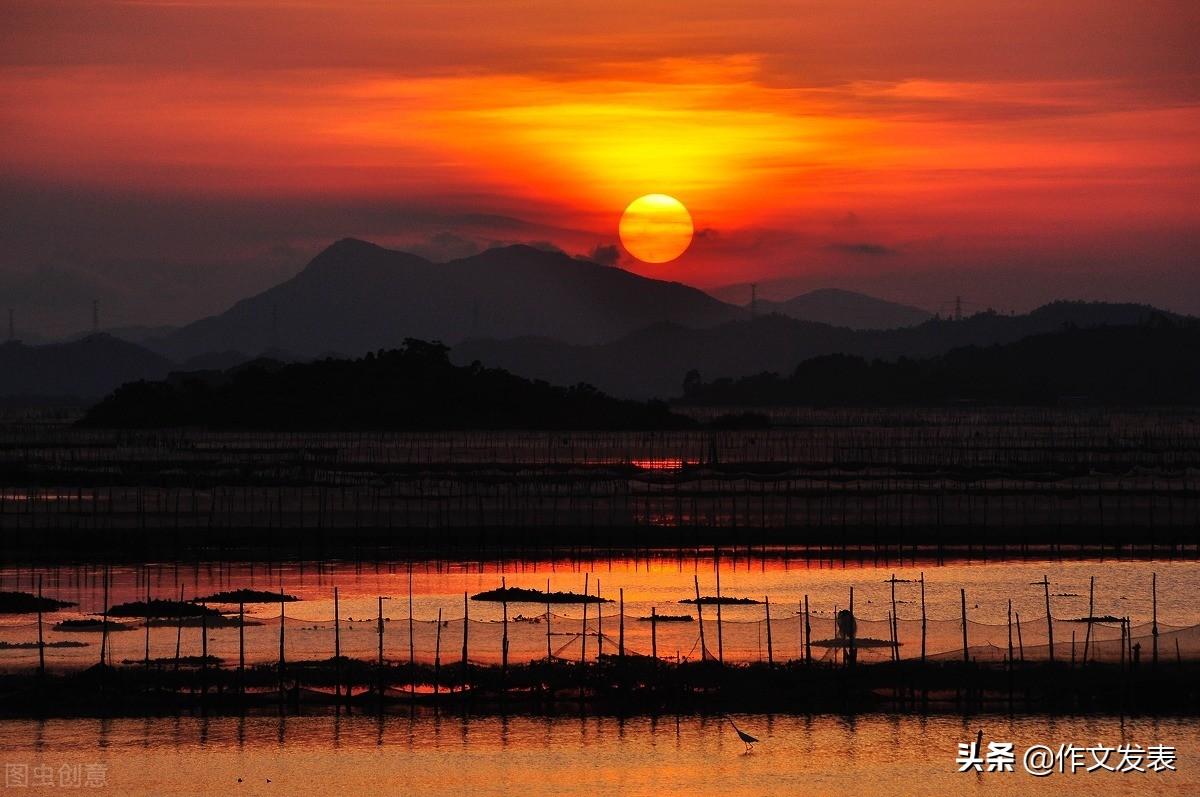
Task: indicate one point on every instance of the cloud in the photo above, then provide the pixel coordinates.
(605, 254)
(863, 248)
(443, 246)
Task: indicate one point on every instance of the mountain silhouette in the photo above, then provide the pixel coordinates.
(356, 297)
(1148, 364)
(652, 362)
(85, 368)
(842, 308)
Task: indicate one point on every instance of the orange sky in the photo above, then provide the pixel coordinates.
(910, 146)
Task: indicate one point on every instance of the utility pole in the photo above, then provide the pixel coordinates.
(754, 300)
(958, 308)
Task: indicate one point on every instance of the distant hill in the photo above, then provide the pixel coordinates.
(1150, 364)
(356, 297)
(653, 361)
(841, 308)
(414, 387)
(85, 369)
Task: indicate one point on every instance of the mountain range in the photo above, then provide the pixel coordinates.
(540, 314)
(653, 361)
(841, 308)
(356, 297)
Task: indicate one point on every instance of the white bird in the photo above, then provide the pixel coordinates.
(745, 737)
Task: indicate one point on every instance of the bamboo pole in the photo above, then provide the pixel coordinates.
(583, 637)
(178, 630)
(720, 632)
(437, 655)
(1087, 639)
(807, 634)
(282, 633)
(599, 623)
(770, 651)
(1154, 620)
(1049, 619)
(621, 632)
(146, 619)
(853, 630)
(963, 596)
(412, 649)
(654, 633)
(924, 619)
(104, 621)
(203, 649)
(1010, 638)
(700, 618)
(41, 639)
(241, 646)
(892, 621)
(466, 625)
(504, 639)
(549, 652)
(379, 630)
(1020, 641)
(337, 646)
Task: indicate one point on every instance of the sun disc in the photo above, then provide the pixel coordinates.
(656, 228)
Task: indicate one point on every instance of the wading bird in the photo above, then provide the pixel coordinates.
(745, 737)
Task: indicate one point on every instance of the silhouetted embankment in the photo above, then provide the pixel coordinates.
(618, 685)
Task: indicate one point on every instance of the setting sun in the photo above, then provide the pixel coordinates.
(656, 228)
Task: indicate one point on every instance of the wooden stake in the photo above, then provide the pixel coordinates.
(379, 630)
(700, 617)
(549, 652)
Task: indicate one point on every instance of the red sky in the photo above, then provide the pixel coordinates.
(172, 155)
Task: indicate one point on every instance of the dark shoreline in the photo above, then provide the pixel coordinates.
(638, 687)
(62, 546)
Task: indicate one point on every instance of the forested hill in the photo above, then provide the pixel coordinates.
(1150, 364)
(411, 388)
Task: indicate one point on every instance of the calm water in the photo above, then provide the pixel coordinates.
(819, 755)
